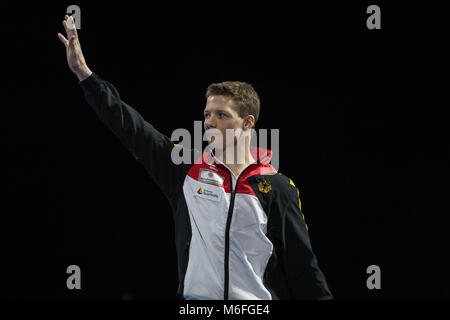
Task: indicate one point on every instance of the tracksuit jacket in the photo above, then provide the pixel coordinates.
(236, 237)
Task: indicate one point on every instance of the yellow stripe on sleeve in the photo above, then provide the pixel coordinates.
(299, 202)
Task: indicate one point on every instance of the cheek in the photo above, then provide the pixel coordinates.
(232, 124)
(223, 124)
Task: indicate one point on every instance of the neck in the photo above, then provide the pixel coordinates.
(239, 162)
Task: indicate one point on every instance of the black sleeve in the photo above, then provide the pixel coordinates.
(151, 148)
(304, 278)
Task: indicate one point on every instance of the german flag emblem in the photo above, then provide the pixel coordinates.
(264, 186)
(200, 191)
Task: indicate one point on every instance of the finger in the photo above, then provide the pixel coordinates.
(69, 26)
(63, 39)
(64, 22)
(69, 32)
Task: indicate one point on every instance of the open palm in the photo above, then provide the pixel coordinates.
(75, 58)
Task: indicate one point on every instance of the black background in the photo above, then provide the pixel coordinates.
(363, 118)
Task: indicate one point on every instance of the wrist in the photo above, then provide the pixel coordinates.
(82, 72)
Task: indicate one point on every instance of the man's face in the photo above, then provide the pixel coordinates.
(220, 114)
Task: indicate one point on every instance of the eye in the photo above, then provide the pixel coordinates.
(206, 115)
(222, 115)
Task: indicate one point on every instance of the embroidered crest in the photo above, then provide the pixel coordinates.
(264, 186)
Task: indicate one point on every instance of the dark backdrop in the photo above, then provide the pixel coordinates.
(362, 117)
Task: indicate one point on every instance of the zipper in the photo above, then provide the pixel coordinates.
(227, 232)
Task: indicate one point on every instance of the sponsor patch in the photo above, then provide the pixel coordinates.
(211, 177)
(208, 193)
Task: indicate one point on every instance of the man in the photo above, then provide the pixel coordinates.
(239, 229)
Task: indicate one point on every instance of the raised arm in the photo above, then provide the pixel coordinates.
(139, 137)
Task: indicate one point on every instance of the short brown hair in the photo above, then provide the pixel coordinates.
(244, 96)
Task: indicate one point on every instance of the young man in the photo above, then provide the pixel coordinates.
(239, 229)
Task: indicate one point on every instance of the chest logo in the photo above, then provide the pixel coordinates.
(264, 186)
(208, 193)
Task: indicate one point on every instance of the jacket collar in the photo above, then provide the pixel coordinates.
(261, 155)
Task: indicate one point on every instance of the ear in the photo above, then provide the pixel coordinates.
(249, 122)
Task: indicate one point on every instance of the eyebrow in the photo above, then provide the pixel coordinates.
(220, 110)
